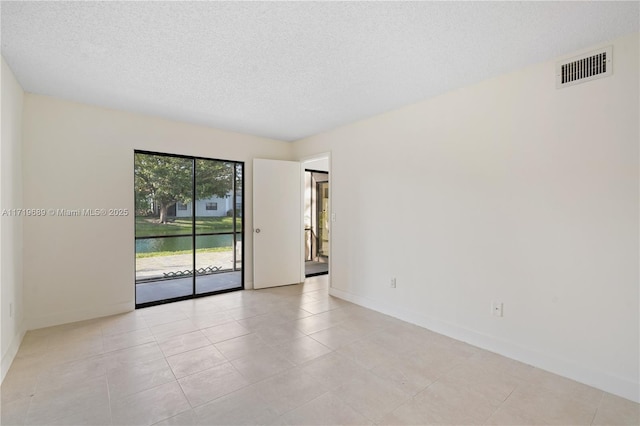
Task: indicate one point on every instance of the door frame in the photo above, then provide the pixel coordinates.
(308, 159)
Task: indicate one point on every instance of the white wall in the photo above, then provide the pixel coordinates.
(511, 191)
(321, 164)
(78, 156)
(11, 295)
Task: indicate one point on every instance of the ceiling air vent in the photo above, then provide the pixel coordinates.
(587, 67)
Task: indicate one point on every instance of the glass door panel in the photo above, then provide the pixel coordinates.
(216, 223)
(163, 227)
(323, 218)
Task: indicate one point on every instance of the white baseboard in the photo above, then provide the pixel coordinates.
(616, 385)
(10, 355)
(79, 315)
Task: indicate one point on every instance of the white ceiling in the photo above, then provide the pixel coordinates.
(287, 70)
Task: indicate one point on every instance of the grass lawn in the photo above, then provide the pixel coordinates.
(148, 227)
(171, 253)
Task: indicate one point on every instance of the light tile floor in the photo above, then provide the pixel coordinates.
(284, 356)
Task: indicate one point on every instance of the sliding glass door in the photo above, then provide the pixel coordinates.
(189, 225)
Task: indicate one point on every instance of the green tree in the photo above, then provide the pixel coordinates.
(169, 180)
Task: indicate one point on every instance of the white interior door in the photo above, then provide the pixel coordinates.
(277, 223)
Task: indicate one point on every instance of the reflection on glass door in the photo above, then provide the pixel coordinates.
(188, 227)
(316, 222)
(323, 218)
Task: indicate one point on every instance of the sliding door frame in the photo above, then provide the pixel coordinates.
(194, 235)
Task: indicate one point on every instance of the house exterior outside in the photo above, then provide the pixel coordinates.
(211, 207)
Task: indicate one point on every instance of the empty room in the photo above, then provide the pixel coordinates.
(320, 213)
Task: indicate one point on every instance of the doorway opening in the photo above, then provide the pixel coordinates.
(316, 219)
(188, 227)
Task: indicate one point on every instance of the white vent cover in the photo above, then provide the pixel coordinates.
(587, 67)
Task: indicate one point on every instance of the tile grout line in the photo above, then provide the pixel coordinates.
(593, 419)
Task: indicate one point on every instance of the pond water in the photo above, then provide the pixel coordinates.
(150, 245)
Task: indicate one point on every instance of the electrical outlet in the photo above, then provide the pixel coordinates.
(496, 309)
(10, 310)
(393, 283)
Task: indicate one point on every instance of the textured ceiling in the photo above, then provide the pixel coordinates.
(286, 70)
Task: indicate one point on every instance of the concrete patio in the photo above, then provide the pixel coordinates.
(152, 285)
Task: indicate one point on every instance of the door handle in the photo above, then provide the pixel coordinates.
(257, 230)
